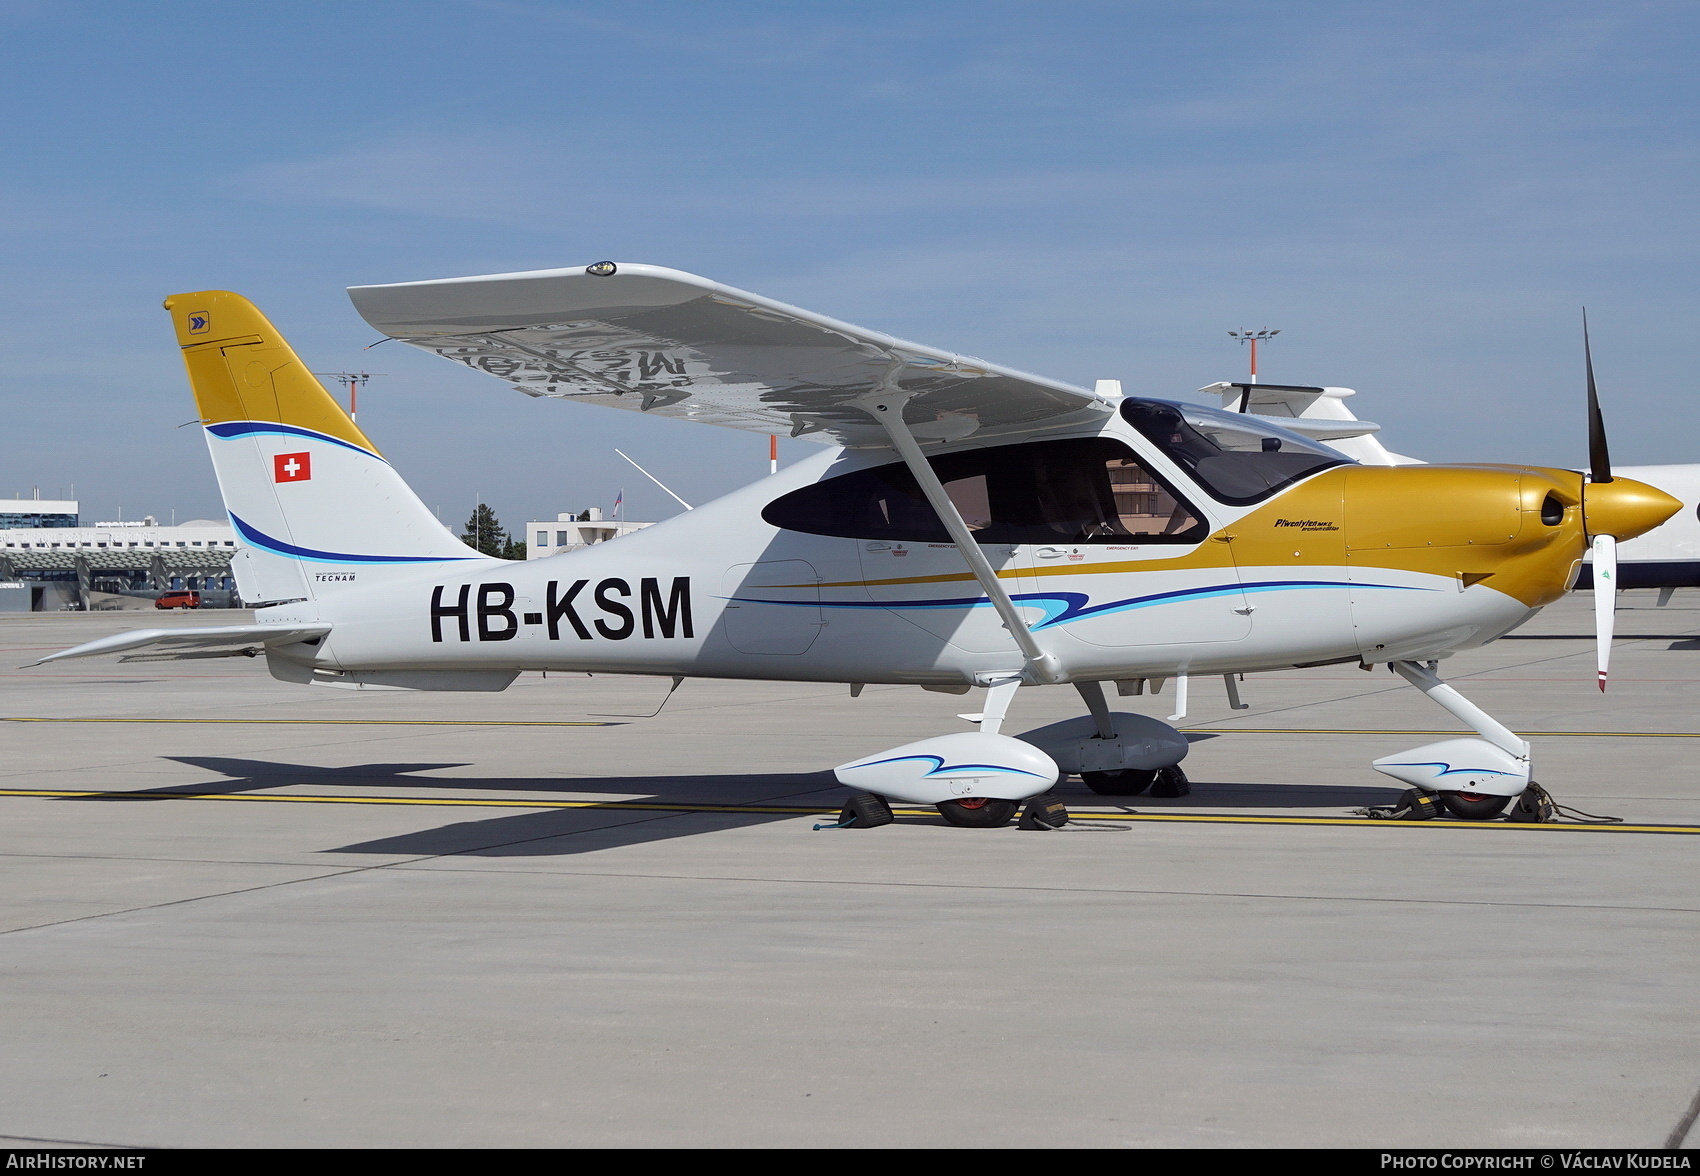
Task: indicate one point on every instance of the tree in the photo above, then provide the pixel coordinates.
(484, 533)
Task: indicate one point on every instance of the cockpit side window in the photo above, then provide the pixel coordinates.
(1081, 490)
(1239, 459)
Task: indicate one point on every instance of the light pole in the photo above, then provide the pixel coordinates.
(1254, 338)
(353, 381)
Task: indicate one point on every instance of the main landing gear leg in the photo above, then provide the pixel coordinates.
(1092, 693)
(999, 694)
(1473, 779)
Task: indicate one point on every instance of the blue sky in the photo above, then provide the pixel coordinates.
(1420, 196)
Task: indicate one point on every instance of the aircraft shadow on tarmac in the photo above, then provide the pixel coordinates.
(246, 775)
(556, 832)
(564, 832)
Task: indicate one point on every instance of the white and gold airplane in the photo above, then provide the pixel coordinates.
(965, 526)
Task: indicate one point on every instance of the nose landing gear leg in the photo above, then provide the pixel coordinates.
(1474, 779)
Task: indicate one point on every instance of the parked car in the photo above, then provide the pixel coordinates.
(178, 600)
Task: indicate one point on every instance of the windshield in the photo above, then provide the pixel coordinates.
(1239, 459)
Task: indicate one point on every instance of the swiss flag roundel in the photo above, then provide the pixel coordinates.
(293, 467)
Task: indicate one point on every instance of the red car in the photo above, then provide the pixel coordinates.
(178, 600)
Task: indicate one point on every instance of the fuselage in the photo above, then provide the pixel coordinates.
(1345, 562)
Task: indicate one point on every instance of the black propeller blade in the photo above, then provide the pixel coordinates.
(1599, 457)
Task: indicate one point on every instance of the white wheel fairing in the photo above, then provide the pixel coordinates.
(1459, 765)
(949, 767)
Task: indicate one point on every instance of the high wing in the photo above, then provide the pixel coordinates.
(666, 342)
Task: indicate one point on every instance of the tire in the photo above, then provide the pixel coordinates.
(977, 812)
(1171, 782)
(1474, 806)
(1124, 782)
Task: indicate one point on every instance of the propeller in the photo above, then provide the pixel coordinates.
(1613, 510)
(1605, 546)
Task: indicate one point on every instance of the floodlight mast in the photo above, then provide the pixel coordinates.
(1254, 338)
(353, 381)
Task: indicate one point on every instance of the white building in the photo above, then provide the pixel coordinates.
(37, 512)
(201, 533)
(568, 532)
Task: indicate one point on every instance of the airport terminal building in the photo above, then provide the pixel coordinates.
(52, 562)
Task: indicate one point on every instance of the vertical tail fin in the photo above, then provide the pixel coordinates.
(315, 506)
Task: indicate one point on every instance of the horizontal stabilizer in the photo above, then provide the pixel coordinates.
(219, 637)
(662, 341)
(1320, 430)
(1318, 413)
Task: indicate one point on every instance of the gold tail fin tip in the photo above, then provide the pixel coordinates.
(242, 370)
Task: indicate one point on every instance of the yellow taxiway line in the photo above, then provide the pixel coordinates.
(1367, 731)
(594, 723)
(810, 810)
(332, 722)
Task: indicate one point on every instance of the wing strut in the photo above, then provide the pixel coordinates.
(886, 407)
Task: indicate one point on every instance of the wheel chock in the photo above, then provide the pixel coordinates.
(1415, 804)
(863, 811)
(1044, 812)
(1533, 806)
(1170, 782)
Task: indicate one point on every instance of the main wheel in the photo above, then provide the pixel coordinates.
(1122, 782)
(1171, 782)
(1474, 806)
(977, 812)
